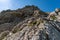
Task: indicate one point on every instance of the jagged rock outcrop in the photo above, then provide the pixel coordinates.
(29, 23)
(13, 17)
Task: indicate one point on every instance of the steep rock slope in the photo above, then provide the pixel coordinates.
(46, 30)
(29, 23)
(10, 18)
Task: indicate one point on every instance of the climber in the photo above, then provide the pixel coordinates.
(54, 13)
(57, 10)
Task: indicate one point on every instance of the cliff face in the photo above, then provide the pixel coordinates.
(29, 23)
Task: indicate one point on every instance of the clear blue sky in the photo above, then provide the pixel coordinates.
(44, 5)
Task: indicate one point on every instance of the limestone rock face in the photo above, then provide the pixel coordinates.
(29, 23)
(6, 26)
(44, 31)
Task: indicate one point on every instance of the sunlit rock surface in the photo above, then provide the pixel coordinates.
(29, 23)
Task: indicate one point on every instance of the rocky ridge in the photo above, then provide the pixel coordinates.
(29, 23)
